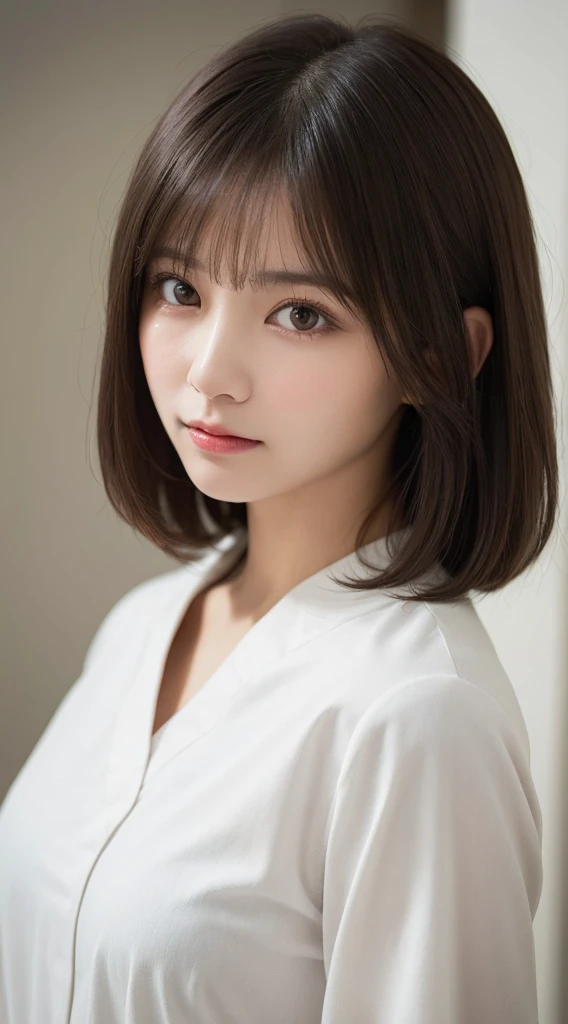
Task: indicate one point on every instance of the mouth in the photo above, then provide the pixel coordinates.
(215, 430)
(220, 444)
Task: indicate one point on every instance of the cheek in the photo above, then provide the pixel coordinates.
(330, 410)
(305, 385)
(158, 356)
(328, 391)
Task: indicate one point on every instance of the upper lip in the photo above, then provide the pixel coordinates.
(216, 428)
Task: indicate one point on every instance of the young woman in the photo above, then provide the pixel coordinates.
(291, 784)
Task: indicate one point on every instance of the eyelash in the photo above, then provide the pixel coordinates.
(298, 302)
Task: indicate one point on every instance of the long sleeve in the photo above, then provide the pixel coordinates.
(433, 864)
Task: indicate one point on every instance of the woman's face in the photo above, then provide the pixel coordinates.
(283, 363)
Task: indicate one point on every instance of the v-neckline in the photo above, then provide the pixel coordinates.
(157, 735)
(313, 605)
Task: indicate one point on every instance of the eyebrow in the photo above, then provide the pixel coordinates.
(264, 277)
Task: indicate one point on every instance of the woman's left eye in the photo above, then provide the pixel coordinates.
(303, 321)
(306, 313)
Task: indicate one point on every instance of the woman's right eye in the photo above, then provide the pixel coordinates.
(173, 298)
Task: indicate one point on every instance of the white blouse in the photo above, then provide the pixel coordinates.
(339, 827)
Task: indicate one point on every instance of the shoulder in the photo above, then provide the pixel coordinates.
(435, 661)
(135, 609)
(138, 605)
(441, 746)
(448, 739)
(439, 709)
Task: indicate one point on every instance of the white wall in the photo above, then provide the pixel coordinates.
(517, 52)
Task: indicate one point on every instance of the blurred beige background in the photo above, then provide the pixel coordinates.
(81, 87)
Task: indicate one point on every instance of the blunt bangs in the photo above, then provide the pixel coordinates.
(224, 216)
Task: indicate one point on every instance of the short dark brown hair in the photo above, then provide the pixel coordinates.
(405, 195)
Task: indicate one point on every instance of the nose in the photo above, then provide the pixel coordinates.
(215, 356)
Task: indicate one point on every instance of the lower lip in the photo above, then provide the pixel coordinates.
(221, 444)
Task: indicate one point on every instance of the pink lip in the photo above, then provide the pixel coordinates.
(220, 444)
(215, 428)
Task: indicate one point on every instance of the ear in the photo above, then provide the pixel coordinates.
(480, 334)
(479, 325)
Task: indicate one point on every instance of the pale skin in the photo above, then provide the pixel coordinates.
(322, 404)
